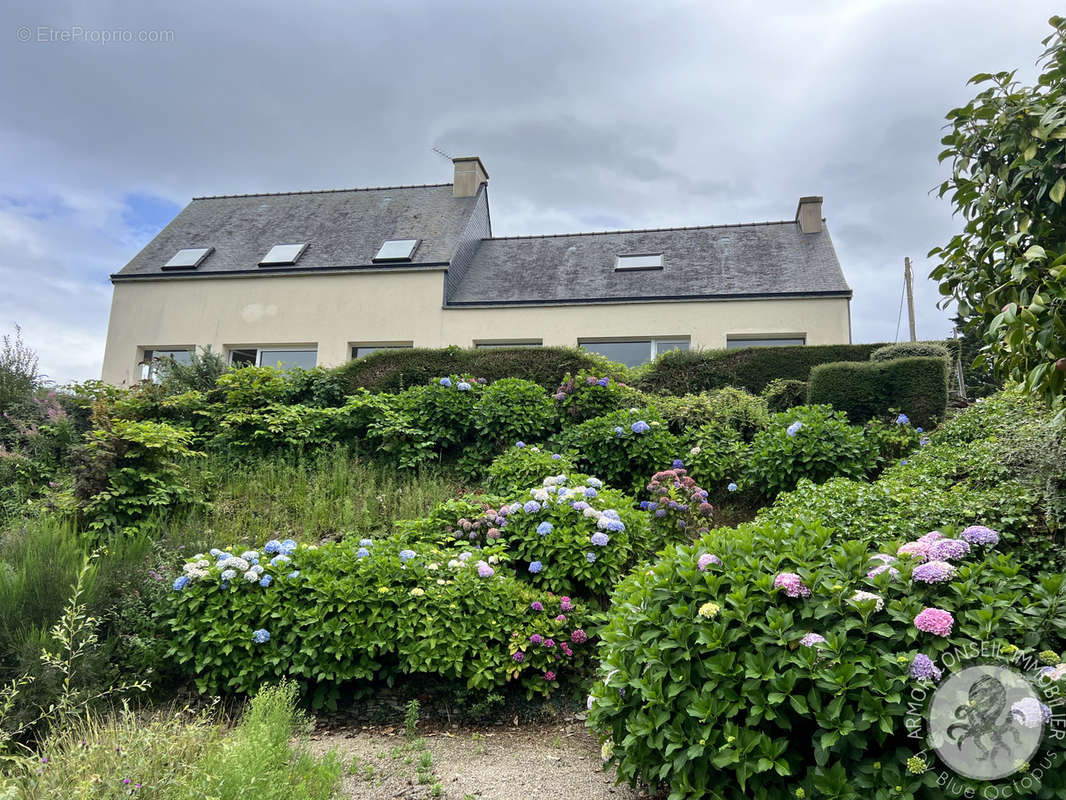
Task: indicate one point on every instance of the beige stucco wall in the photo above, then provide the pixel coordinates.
(334, 311)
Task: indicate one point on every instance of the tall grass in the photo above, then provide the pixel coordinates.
(181, 756)
(320, 497)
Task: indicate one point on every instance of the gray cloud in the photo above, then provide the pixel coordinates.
(588, 115)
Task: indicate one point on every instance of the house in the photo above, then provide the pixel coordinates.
(320, 277)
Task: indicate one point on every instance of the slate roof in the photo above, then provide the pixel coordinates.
(717, 262)
(344, 229)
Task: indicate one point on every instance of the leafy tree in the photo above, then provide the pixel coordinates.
(1007, 269)
(19, 376)
(200, 374)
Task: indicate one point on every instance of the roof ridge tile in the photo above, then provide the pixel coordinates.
(643, 230)
(323, 191)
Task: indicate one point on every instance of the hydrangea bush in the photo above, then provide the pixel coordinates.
(518, 468)
(587, 395)
(766, 662)
(811, 442)
(714, 455)
(624, 447)
(678, 507)
(512, 410)
(362, 610)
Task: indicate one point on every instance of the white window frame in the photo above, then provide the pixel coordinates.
(635, 265)
(259, 348)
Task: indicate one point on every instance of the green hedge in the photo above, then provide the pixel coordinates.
(909, 350)
(393, 370)
(864, 390)
(750, 368)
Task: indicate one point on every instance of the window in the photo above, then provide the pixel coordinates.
(279, 357)
(397, 250)
(152, 359)
(189, 258)
(638, 262)
(360, 350)
(634, 352)
(283, 254)
(516, 343)
(770, 340)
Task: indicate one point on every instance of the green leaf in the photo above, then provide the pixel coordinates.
(1058, 190)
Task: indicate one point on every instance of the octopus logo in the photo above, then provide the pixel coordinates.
(986, 722)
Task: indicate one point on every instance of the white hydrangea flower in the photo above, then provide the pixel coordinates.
(455, 564)
(595, 483)
(602, 522)
(591, 512)
(249, 555)
(494, 559)
(251, 576)
(541, 496)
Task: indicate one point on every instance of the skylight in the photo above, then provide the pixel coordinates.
(397, 250)
(283, 254)
(189, 258)
(639, 261)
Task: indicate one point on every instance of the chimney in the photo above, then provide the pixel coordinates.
(469, 175)
(809, 214)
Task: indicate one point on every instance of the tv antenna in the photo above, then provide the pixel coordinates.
(442, 154)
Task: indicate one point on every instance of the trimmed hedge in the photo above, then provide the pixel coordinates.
(394, 370)
(909, 350)
(918, 387)
(750, 368)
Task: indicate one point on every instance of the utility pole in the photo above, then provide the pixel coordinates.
(909, 278)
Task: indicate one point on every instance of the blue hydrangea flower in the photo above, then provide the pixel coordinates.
(618, 430)
(920, 430)
(294, 574)
(531, 507)
(544, 528)
(640, 426)
(446, 383)
(652, 505)
(366, 542)
(362, 552)
(603, 381)
(535, 567)
(214, 551)
(904, 461)
(599, 539)
(271, 547)
(794, 428)
(610, 513)
(616, 525)
(732, 487)
(590, 557)
(261, 636)
(903, 419)
(265, 581)
(590, 492)
(463, 386)
(643, 505)
(556, 456)
(280, 559)
(923, 441)
(519, 444)
(228, 575)
(181, 583)
(289, 545)
(679, 464)
(407, 555)
(595, 483)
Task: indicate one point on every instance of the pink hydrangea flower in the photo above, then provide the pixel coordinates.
(706, 560)
(565, 604)
(811, 639)
(935, 621)
(579, 636)
(484, 570)
(792, 584)
(549, 676)
(918, 550)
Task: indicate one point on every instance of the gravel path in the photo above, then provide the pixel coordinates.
(559, 761)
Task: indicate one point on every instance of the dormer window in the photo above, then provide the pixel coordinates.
(397, 250)
(638, 261)
(189, 258)
(282, 255)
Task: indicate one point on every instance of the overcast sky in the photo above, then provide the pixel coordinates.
(588, 116)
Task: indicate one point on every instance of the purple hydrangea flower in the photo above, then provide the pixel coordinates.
(519, 657)
(811, 639)
(1030, 712)
(706, 560)
(484, 570)
(979, 534)
(640, 426)
(599, 539)
(603, 381)
(923, 668)
(892, 571)
(949, 549)
(531, 507)
(535, 567)
(366, 542)
(590, 492)
(536, 605)
(536, 638)
(679, 464)
(933, 572)
(792, 584)
(618, 431)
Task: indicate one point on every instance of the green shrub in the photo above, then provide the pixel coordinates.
(890, 352)
(200, 374)
(350, 611)
(512, 410)
(783, 394)
(736, 408)
(253, 387)
(394, 370)
(571, 534)
(892, 439)
(812, 442)
(714, 455)
(678, 507)
(444, 410)
(518, 468)
(716, 682)
(916, 386)
(624, 447)
(586, 396)
(750, 368)
(130, 470)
